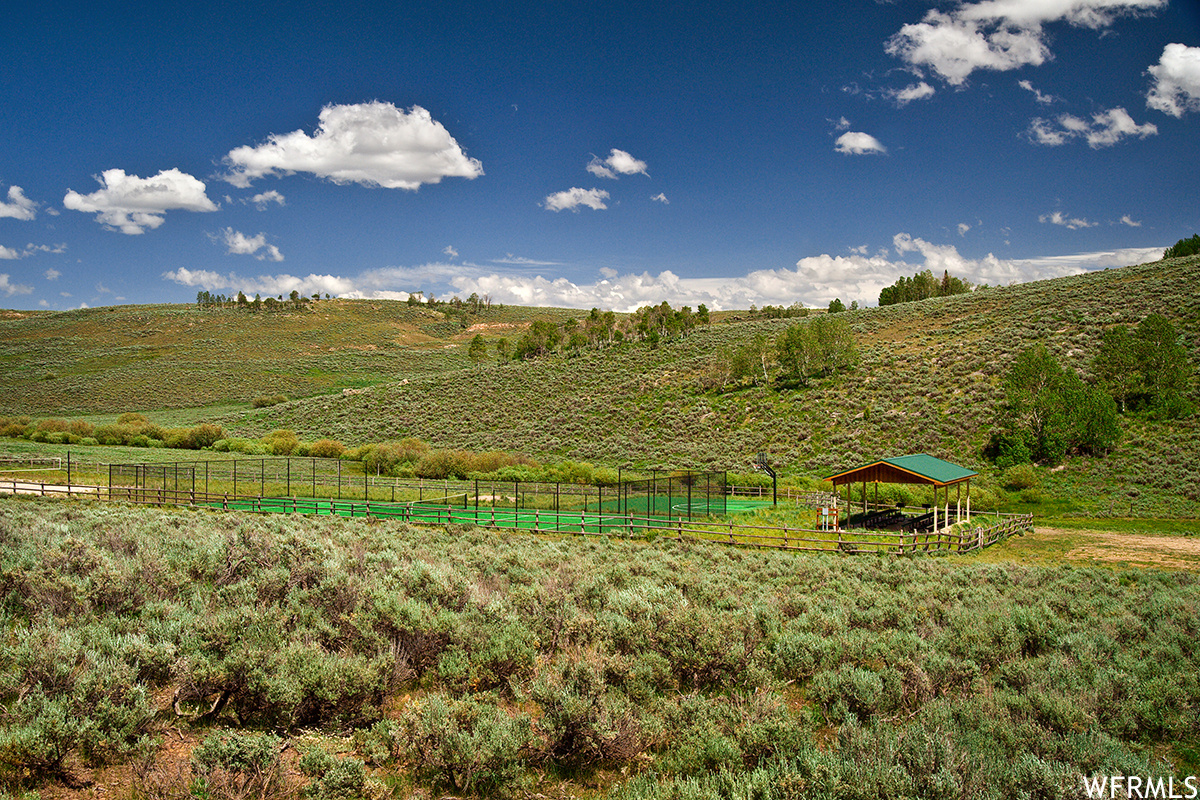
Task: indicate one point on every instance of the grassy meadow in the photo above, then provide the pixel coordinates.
(169, 654)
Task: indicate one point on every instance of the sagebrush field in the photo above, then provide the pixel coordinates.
(462, 661)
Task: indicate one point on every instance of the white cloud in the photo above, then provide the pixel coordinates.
(1073, 223)
(238, 243)
(264, 199)
(9, 288)
(270, 285)
(963, 228)
(18, 206)
(814, 281)
(373, 144)
(450, 251)
(131, 204)
(1110, 127)
(52, 274)
(1044, 99)
(856, 143)
(509, 258)
(618, 161)
(917, 91)
(842, 124)
(999, 35)
(1042, 131)
(11, 254)
(1176, 80)
(1105, 129)
(1127, 220)
(573, 198)
(661, 198)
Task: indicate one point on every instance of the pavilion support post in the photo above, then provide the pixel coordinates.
(958, 511)
(864, 495)
(946, 508)
(968, 501)
(935, 508)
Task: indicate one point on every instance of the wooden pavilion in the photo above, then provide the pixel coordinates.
(918, 468)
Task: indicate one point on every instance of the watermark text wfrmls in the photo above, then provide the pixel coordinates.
(1140, 787)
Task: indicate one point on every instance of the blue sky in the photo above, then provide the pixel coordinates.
(588, 154)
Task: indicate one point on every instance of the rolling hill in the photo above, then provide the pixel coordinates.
(928, 380)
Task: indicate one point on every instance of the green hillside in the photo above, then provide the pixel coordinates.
(928, 380)
(122, 358)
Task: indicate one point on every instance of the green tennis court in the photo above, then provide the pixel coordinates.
(454, 510)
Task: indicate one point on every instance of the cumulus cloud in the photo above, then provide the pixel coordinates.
(814, 281)
(618, 162)
(266, 198)
(262, 284)
(450, 251)
(372, 144)
(52, 274)
(238, 243)
(857, 143)
(916, 91)
(1105, 129)
(1072, 223)
(9, 288)
(1127, 220)
(963, 228)
(573, 198)
(18, 206)
(131, 204)
(661, 198)
(999, 35)
(1176, 86)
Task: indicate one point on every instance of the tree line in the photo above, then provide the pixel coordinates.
(819, 347)
(294, 301)
(650, 324)
(921, 287)
(1184, 247)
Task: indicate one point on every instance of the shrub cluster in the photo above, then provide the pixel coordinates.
(266, 401)
(474, 661)
(131, 429)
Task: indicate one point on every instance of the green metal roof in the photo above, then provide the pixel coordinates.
(917, 468)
